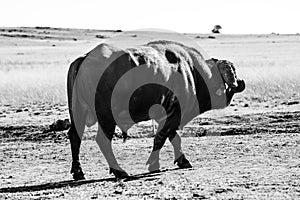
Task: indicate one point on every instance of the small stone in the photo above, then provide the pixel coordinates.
(160, 183)
(199, 196)
(292, 103)
(118, 191)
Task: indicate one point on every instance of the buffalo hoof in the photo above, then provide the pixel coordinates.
(77, 172)
(78, 176)
(118, 173)
(154, 167)
(182, 162)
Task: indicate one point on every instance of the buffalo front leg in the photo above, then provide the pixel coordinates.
(179, 157)
(75, 136)
(103, 139)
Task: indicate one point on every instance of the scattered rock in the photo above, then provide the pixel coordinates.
(292, 103)
(60, 125)
(285, 144)
(36, 113)
(19, 110)
(199, 196)
(160, 183)
(221, 190)
(102, 36)
(118, 192)
(246, 105)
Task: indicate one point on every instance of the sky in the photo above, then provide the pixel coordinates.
(185, 16)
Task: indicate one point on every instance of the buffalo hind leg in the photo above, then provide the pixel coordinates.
(75, 140)
(165, 129)
(179, 157)
(104, 143)
(159, 141)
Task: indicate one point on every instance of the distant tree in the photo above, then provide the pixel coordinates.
(216, 29)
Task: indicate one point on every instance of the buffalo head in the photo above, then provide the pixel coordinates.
(225, 80)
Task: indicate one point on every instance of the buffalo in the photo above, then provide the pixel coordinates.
(163, 80)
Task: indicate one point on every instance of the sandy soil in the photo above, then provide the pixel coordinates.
(250, 150)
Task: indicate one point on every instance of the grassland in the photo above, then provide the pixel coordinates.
(33, 68)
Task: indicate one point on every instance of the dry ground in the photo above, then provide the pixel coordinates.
(251, 150)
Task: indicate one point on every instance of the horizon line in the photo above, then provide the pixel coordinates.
(141, 30)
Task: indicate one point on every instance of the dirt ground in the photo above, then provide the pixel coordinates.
(241, 156)
(250, 150)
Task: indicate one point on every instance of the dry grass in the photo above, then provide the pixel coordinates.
(34, 70)
(272, 83)
(33, 85)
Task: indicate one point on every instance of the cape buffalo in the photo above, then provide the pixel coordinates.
(115, 86)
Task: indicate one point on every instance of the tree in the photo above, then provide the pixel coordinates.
(216, 29)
